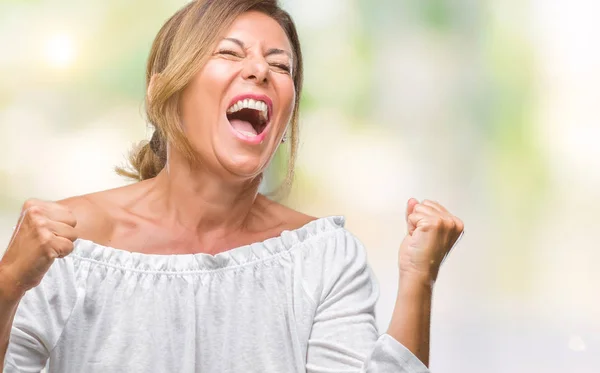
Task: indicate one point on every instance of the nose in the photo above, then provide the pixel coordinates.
(257, 70)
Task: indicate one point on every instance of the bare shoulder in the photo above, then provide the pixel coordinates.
(94, 213)
(288, 218)
(296, 219)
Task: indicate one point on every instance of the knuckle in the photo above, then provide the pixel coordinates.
(51, 254)
(460, 225)
(437, 221)
(31, 202)
(45, 237)
(450, 223)
(68, 248)
(34, 210)
(39, 222)
(65, 249)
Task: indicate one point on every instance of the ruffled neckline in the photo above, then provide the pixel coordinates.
(192, 263)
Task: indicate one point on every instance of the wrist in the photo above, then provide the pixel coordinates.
(414, 292)
(10, 292)
(417, 280)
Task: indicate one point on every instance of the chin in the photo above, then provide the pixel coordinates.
(244, 165)
(240, 157)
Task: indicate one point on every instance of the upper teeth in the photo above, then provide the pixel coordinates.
(250, 104)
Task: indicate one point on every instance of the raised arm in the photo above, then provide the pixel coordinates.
(344, 335)
(432, 232)
(44, 232)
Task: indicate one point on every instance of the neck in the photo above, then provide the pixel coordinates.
(199, 200)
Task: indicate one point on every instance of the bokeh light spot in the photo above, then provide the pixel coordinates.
(60, 51)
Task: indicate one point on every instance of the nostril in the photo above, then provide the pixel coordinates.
(256, 78)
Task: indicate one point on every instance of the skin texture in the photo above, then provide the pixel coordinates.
(215, 205)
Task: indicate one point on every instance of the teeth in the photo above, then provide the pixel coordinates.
(264, 112)
(251, 104)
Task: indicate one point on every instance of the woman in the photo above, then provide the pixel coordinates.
(191, 269)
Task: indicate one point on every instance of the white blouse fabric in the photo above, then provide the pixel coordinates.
(300, 302)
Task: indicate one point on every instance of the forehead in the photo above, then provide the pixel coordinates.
(256, 27)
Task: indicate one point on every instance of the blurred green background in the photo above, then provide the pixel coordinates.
(488, 106)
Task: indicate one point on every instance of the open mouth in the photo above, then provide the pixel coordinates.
(249, 117)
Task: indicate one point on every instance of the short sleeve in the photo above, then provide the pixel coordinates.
(40, 319)
(344, 336)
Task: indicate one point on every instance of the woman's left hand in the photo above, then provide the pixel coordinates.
(432, 232)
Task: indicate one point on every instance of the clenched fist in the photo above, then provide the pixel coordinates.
(45, 231)
(432, 232)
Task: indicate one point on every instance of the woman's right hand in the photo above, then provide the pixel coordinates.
(45, 231)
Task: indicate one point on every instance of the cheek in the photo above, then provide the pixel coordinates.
(217, 72)
(288, 97)
(200, 99)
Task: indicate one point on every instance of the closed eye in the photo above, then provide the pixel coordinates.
(228, 52)
(282, 66)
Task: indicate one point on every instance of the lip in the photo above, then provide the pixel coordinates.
(260, 137)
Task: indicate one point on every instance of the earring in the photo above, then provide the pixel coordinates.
(283, 139)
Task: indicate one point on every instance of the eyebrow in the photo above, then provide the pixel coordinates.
(272, 51)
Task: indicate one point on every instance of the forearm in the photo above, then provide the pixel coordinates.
(410, 323)
(9, 301)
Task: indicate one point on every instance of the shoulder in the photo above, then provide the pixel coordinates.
(92, 218)
(285, 218)
(293, 219)
(95, 212)
(331, 228)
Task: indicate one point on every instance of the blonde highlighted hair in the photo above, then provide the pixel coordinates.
(181, 48)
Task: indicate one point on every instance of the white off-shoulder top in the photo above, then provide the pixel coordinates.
(300, 302)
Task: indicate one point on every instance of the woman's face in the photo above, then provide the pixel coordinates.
(236, 109)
